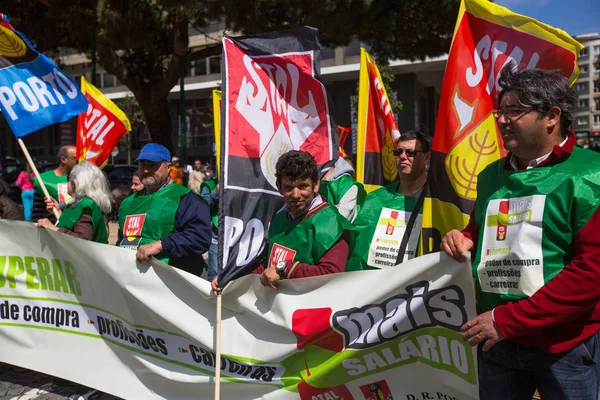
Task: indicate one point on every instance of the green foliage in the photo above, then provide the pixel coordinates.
(143, 42)
(130, 106)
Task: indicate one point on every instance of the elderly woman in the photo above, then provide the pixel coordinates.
(89, 201)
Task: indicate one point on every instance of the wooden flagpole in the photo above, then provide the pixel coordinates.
(218, 349)
(36, 173)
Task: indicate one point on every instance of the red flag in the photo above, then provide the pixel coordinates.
(99, 129)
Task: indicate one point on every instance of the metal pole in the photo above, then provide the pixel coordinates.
(182, 127)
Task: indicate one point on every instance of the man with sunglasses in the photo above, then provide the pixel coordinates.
(164, 220)
(385, 213)
(535, 249)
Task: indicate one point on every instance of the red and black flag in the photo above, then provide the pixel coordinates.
(273, 102)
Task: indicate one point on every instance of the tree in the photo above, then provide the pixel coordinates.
(141, 42)
(144, 42)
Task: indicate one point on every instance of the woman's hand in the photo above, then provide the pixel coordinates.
(46, 224)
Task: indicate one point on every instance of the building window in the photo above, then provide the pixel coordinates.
(581, 121)
(584, 103)
(596, 120)
(597, 103)
(214, 64)
(596, 50)
(584, 52)
(327, 53)
(581, 87)
(583, 69)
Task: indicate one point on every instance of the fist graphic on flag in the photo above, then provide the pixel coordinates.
(275, 105)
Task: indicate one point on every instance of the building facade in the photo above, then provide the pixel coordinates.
(587, 113)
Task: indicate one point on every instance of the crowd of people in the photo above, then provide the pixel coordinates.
(540, 333)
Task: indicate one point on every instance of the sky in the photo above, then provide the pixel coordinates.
(574, 16)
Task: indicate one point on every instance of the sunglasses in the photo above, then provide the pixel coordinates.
(409, 152)
(511, 112)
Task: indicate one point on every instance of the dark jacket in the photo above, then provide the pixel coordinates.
(9, 209)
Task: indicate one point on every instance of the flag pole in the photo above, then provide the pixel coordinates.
(37, 174)
(218, 349)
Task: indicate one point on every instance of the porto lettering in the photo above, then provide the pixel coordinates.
(36, 93)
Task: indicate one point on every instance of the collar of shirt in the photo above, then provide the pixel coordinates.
(317, 201)
(565, 148)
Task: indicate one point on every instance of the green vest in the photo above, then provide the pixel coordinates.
(52, 182)
(146, 218)
(211, 184)
(527, 221)
(308, 240)
(381, 224)
(72, 213)
(334, 190)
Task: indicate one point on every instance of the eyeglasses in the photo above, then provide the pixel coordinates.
(409, 153)
(511, 112)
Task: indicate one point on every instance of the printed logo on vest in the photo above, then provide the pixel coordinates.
(132, 231)
(377, 391)
(63, 191)
(281, 253)
(503, 208)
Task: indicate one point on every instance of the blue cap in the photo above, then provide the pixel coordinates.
(154, 152)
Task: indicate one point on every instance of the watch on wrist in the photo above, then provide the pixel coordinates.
(280, 269)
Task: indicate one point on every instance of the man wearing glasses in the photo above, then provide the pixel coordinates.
(385, 213)
(535, 249)
(164, 220)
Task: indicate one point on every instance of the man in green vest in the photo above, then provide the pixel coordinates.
(535, 249)
(164, 220)
(209, 191)
(308, 236)
(385, 213)
(56, 180)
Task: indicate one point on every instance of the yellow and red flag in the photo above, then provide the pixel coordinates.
(343, 133)
(216, 97)
(486, 38)
(99, 129)
(377, 129)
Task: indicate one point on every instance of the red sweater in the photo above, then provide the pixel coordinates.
(565, 311)
(333, 261)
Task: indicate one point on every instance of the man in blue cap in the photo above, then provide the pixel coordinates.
(165, 220)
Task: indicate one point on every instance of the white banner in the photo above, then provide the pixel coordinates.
(89, 313)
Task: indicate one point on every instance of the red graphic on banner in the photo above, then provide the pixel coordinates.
(308, 392)
(134, 225)
(377, 391)
(312, 327)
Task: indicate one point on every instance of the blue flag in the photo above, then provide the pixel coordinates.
(34, 92)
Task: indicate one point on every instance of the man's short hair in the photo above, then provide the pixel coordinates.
(62, 152)
(418, 136)
(296, 164)
(540, 89)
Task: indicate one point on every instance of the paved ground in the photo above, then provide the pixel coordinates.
(22, 384)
